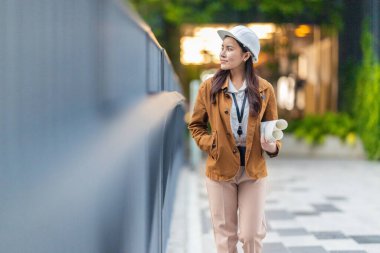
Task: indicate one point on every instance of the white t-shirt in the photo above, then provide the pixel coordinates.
(239, 94)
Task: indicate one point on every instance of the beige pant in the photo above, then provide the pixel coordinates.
(226, 198)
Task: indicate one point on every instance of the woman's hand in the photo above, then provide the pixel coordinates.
(268, 146)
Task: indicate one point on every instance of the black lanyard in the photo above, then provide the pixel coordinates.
(240, 116)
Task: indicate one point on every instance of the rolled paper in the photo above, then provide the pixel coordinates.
(267, 129)
(272, 130)
(281, 124)
(277, 134)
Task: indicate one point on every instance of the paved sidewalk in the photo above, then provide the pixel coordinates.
(313, 206)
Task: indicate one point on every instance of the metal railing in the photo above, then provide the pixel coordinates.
(91, 129)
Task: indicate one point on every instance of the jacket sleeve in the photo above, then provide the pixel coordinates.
(271, 114)
(198, 122)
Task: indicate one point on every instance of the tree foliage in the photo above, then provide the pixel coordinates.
(367, 105)
(158, 14)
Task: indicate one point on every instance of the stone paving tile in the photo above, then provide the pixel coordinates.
(299, 240)
(329, 235)
(283, 224)
(348, 251)
(367, 238)
(339, 244)
(274, 248)
(279, 215)
(306, 213)
(336, 198)
(299, 189)
(371, 248)
(271, 201)
(291, 231)
(325, 208)
(307, 249)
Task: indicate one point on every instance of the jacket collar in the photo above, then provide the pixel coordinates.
(232, 89)
(262, 84)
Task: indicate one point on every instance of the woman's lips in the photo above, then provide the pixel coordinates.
(222, 61)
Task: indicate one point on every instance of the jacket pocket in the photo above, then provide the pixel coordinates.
(214, 145)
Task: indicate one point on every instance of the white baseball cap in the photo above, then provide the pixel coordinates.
(245, 36)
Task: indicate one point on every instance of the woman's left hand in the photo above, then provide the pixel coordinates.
(268, 146)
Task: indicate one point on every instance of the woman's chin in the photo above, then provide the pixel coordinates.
(223, 67)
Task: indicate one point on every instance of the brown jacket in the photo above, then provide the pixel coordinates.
(223, 161)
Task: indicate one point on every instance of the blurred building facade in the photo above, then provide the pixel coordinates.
(301, 62)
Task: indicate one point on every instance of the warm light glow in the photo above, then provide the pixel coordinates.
(301, 101)
(302, 30)
(286, 92)
(211, 41)
(191, 48)
(203, 46)
(263, 31)
(302, 66)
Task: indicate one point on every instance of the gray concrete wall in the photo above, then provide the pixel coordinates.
(91, 121)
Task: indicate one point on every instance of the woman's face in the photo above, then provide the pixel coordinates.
(231, 55)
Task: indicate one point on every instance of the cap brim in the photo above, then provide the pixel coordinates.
(224, 33)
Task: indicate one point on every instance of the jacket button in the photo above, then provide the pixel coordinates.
(227, 96)
(234, 150)
(228, 134)
(226, 111)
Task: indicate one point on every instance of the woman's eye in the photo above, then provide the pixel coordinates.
(228, 48)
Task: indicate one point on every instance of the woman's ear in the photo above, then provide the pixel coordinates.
(246, 57)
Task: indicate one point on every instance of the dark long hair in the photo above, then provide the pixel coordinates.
(252, 84)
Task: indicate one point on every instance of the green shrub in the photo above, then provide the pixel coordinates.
(367, 94)
(314, 128)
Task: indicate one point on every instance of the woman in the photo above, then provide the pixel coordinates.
(235, 101)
